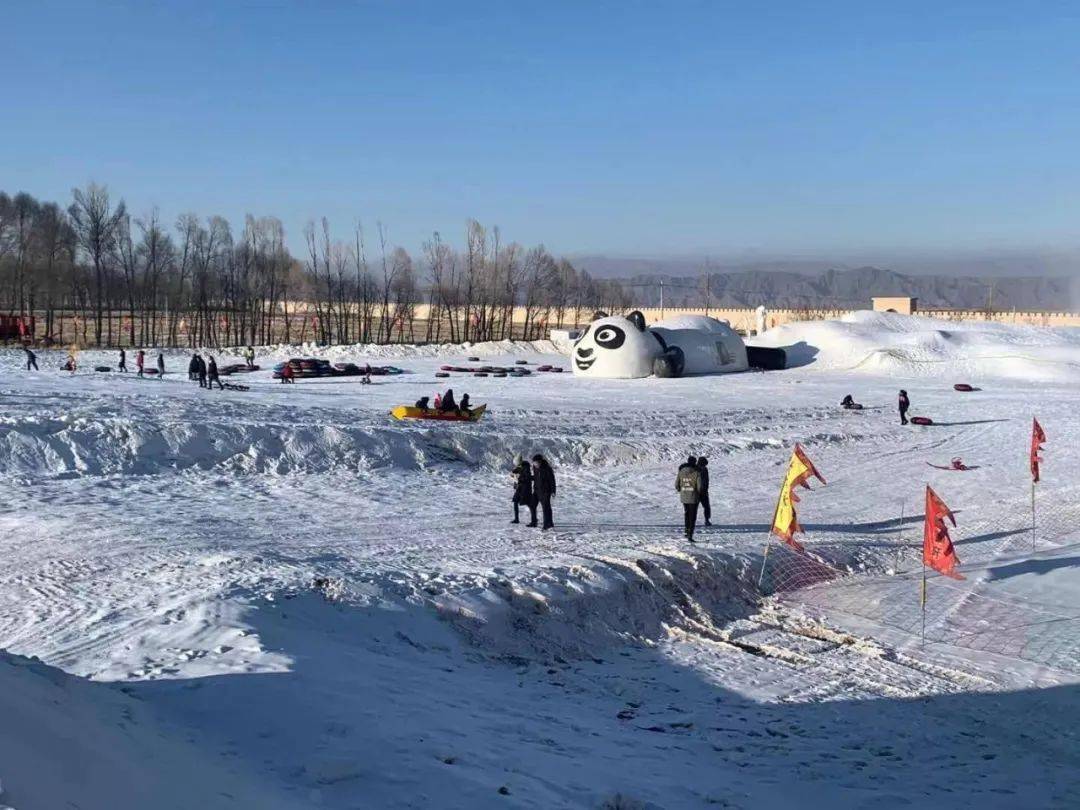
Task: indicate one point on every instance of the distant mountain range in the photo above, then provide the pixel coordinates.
(841, 289)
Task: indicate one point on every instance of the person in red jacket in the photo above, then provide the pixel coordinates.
(287, 374)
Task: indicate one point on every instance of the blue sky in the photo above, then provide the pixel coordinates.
(625, 127)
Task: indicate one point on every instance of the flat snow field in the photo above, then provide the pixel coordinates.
(283, 597)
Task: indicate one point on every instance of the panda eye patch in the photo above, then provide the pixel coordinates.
(610, 337)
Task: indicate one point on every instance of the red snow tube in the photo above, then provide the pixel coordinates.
(963, 387)
(921, 420)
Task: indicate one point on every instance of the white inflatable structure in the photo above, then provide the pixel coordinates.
(619, 347)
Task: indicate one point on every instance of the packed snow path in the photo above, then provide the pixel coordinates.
(168, 538)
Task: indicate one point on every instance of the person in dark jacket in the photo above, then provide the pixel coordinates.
(122, 365)
(31, 359)
(160, 366)
(422, 403)
(543, 488)
(463, 406)
(904, 403)
(212, 375)
(523, 490)
(448, 402)
(688, 485)
(193, 367)
(848, 402)
(703, 499)
(200, 370)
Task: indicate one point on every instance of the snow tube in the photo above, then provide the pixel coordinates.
(766, 358)
(921, 420)
(543, 368)
(480, 374)
(446, 368)
(499, 374)
(521, 362)
(556, 370)
(474, 359)
(963, 387)
(412, 412)
(442, 374)
(854, 407)
(102, 368)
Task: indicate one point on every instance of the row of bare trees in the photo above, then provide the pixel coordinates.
(96, 275)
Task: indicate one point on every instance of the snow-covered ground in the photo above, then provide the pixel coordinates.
(283, 597)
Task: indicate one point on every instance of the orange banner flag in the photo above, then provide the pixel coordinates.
(938, 552)
(785, 522)
(1038, 438)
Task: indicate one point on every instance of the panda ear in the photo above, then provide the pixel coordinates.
(637, 319)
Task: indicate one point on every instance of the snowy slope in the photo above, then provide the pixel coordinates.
(334, 606)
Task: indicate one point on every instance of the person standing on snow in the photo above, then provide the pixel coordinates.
(160, 366)
(543, 489)
(193, 367)
(688, 485)
(904, 403)
(31, 359)
(212, 375)
(122, 365)
(523, 490)
(703, 475)
(200, 370)
(249, 357)
(140, 361)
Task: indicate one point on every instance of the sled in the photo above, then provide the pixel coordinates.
(964, 387)
(412, 412)
(442, 374)
(921, 420)
(102, 368)
(957, 465)
(236, 387)
(855, 407)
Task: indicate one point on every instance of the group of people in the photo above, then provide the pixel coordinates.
(534, 486)
(205, 371)
(445, 403)
(848, 403)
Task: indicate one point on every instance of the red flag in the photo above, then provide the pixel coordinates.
(938, 551)
(1037, 440)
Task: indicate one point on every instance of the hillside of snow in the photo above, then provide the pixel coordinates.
(309, 604)
(911, 346)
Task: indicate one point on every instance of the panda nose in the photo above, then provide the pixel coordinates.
(584, 352)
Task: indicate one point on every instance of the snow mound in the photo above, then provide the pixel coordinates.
(68, 742)
(913, 346)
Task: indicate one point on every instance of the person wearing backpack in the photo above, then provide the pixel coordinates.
(688, 485)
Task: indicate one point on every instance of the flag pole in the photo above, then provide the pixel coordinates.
(764, 559)
(922, 600)
(1033, 516)
(899, 540)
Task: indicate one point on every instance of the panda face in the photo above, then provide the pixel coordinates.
(614, 347)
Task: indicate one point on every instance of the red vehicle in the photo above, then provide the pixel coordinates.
(16, 327)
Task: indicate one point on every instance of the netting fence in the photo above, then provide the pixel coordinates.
(874, 572)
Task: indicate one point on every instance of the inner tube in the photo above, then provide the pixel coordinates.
(921, 420)
(963, 387)
(442, 374)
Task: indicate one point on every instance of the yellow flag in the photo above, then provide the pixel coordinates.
(785, 523)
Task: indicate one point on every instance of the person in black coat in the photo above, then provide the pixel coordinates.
(31, 359)
(448, 402)
(423, 403)
(212, 375)
(122, 365)
(193, 368)
(523, 490)
(703, 500)
(200, 371)
(904, 403)
(544, 488)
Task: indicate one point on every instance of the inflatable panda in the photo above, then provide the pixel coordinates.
(618, 347)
